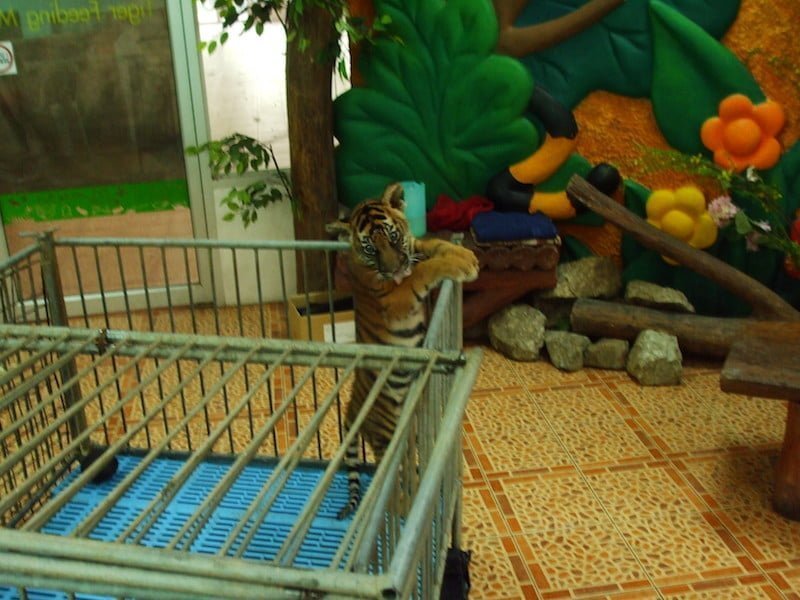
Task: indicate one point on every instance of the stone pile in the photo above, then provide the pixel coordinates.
(521, 331)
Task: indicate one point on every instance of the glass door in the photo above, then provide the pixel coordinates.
(96, 107)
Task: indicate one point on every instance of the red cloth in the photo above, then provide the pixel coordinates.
(456, 216)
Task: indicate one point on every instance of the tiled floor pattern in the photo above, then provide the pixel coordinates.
(587, 485)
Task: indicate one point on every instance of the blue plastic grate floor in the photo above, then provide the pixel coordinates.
(318, 549)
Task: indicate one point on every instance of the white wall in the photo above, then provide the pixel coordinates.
(274, 223)
(245, 88)
(246, 84)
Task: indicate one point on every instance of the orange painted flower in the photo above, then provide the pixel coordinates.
(743, 134)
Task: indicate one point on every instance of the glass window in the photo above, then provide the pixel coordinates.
(89, 121)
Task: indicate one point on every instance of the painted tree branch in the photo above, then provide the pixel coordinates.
(521, 41)
(761, 298)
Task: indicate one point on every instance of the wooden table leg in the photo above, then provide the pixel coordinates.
(786, 497)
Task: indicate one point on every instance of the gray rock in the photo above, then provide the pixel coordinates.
(651, 295)
(607, 353)
(591, 277)
(566, 349)
(655, 359)
(517, 331)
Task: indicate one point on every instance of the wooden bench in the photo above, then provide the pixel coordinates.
(765, 362)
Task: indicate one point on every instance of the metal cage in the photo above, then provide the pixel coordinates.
(181, 446)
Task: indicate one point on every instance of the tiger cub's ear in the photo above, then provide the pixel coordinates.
(393, 196)
(341, 229)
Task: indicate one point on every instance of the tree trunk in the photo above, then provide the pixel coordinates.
(310, 110)
(705, 336)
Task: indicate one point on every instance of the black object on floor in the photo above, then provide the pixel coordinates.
(456, 575)
(108, 470)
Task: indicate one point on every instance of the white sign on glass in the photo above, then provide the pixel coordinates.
(8, 65)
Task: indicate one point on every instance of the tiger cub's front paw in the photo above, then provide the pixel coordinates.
(465, 265)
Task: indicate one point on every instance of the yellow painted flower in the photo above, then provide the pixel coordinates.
(682, 214)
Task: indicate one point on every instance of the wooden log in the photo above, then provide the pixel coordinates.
(706, 336)
(762, 299)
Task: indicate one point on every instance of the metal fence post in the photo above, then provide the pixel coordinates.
(57, 311)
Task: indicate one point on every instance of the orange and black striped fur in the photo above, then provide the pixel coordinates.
(391, 273)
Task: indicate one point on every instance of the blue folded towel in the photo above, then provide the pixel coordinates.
(493, 226)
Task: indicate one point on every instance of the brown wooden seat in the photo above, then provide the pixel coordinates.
(765, 362)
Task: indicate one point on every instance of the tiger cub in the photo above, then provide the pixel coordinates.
(391, 273)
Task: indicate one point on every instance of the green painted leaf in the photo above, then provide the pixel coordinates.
(790, 163)
(573, 249)
(692, 73)
(620, 56)
(636, 196)
(438, 108)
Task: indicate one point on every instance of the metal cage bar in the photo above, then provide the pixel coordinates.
(173, 348)
(166, 371)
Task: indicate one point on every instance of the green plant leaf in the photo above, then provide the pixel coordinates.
(742, 223)
(620, 58)
(692, 73)
(438, 108)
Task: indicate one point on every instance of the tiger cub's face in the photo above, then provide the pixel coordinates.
(380, 237)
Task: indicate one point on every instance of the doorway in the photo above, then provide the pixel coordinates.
(102, 101)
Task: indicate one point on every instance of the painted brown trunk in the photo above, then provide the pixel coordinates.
(310, 113)
(364, 9)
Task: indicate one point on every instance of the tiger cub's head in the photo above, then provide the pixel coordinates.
(379, 235)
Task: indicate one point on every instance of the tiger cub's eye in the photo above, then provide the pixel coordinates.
(367, 248)
(394, 236)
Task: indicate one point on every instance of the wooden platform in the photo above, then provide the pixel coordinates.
(765, 362)
(509, 271)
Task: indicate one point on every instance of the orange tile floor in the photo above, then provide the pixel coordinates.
(587, 485)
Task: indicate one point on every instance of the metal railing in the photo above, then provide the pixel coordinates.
(188, 368)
